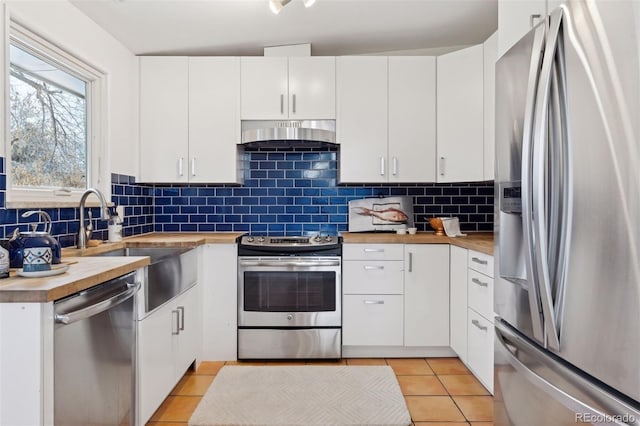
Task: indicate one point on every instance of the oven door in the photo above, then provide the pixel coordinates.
(289, 291)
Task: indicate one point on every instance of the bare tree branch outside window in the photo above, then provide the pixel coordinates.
(48, 133)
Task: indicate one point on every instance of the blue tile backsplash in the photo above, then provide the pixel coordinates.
(294, 192)
(286, 192)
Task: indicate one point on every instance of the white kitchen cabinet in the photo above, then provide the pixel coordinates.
(458, 294)
(426, 295)
(274, 88)
(372, 252)
(516, 18)
(169, 340)
(373, 277)
(460, 147)
(490, 56)
(372, 320)
(361, 123)
(214, 120)
(480, 348)
(189, 120)
(412, 119)
(164, 119)
(386, 123)
(220, 302)
(472, 311)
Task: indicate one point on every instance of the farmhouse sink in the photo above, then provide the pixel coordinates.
(172, 271)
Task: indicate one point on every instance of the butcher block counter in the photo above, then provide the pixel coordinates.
(86, 271)
(82, 273)
(478, 241)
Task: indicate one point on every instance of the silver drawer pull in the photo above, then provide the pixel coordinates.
(480, 283)
(370, 268)
(480, 261)
(370, 250)
(477, 324)
(374, 302)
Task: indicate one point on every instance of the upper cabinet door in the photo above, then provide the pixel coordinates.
(264, 94)
(460, 116)
(214, 119)
(412, 119)
(361, 94)
(164, 112)
(490, 47)
(516, 18)
(312, 87)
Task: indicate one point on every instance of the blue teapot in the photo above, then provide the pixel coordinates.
(33, 239)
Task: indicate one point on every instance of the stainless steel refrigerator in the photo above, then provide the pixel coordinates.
(567, 290)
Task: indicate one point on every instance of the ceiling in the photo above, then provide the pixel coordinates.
(333, 27)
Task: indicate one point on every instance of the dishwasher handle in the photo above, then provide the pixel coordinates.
(84, 313)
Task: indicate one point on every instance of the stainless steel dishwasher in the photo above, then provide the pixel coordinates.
(94, 354)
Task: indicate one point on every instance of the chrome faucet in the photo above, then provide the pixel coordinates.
(82, 233)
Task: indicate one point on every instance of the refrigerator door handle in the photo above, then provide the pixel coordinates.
(513, 346)
(539, 182)
(526, 184)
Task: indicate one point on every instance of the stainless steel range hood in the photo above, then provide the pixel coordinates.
(288, 132)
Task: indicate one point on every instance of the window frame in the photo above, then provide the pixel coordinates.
(96, 96)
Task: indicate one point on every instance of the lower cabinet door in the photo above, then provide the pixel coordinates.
(155, 366)
(372, 320)
(189, 339)
(480, 348)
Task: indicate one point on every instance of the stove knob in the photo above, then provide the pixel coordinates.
(250, 239)
(328, 238)
(261, 239)
(317, 238)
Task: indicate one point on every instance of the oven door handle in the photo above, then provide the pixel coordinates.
(287, 263)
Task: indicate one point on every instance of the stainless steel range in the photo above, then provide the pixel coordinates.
(289, 297)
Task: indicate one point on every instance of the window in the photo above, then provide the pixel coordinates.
(54, 149)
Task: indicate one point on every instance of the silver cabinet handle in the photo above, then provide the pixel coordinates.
(71, 317)
(480, 261)
(281, 104)
(370, 267)
(477, 324)
(532, 19)
(370, 250)
(193, 166)
(394, 166)
(180, 168)
(181, 322)
(177, 323)
(480, 283)
(382, 171)
(441, 166)
(293, 99)
(410, 262)
(374, 302)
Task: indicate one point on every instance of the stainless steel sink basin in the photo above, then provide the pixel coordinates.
(172, 271)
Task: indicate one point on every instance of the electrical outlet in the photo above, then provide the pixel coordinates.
(120, 211)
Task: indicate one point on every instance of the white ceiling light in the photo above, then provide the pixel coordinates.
(277, 5)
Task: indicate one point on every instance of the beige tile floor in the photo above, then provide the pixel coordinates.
(438, 391)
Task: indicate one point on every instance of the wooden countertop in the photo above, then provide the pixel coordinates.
(159, 239)
(478, 241)
(83, 272)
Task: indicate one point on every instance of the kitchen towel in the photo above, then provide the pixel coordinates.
(452, 227)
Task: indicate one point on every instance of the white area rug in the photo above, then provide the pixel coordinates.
(303, 395)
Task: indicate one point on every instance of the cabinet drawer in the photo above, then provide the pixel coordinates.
(480, 293)
(373, 252)
(372, 320)
(372, 277)
(481, 262)
(480, 348)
